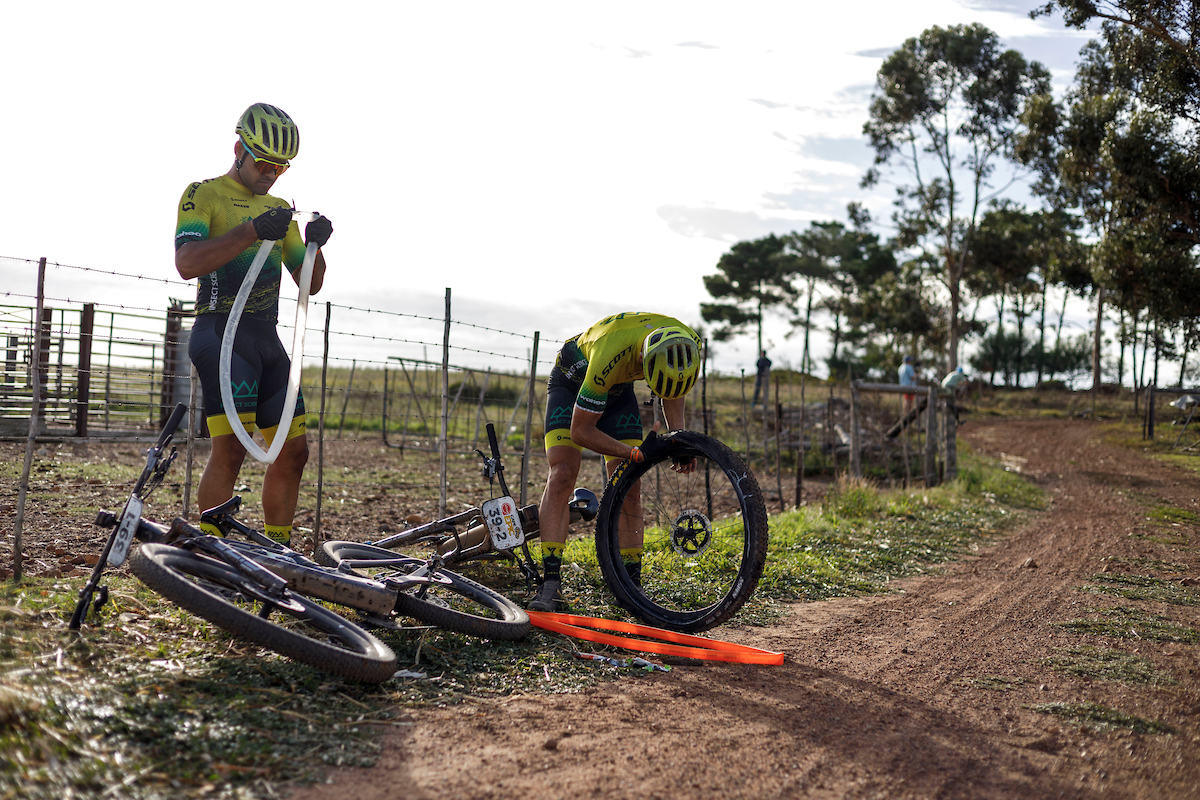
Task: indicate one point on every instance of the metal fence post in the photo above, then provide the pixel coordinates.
(443, 445)
(529, 418)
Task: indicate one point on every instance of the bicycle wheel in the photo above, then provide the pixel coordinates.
(448, 600)
(299, 629)
(705, 534)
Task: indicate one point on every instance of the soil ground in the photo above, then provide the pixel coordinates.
(926, 692)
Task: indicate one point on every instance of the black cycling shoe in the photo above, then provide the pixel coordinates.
(547, 598)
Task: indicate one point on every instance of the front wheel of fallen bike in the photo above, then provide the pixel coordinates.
(442, 598)
(290, 624)
(705, 533)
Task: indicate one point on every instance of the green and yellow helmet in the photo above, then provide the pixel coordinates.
(269, 132)
(670, 361)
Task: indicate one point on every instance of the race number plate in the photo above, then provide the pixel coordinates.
(503, 524)
(124, 535)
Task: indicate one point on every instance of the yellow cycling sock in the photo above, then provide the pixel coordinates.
(552, 553)
(210, 529)
(279, 533)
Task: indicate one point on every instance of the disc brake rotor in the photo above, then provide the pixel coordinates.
(690, 534)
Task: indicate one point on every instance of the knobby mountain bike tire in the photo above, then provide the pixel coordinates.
(299, 629)
(705, 540)
(451, 601)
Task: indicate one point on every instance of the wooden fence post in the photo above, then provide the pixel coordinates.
(33, 426)
(952, 436)
(83, 396)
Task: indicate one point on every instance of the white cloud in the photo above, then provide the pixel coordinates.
(534, 156)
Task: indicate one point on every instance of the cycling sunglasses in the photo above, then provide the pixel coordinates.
(265, 165)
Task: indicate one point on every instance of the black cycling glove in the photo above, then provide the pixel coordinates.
(319, 231)
(273, 223)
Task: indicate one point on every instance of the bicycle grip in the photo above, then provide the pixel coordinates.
(172, 424)
(492, 442)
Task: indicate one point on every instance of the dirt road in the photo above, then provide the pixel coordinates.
(922, 693)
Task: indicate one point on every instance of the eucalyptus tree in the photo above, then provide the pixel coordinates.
(946, 109)
(753, 277)
(847, 260)
(1106, 152)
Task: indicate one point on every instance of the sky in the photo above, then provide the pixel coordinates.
(548, 162)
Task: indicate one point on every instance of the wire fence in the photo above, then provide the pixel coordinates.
(423, 382)
(108, 369)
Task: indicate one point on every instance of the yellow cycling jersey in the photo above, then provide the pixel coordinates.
(609, 353)
(213, 207)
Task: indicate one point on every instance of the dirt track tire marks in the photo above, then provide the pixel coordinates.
(876, 697)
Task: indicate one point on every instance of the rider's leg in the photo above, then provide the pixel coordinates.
(553, 519)
(281, 488)
(632, 527)
(220, 475)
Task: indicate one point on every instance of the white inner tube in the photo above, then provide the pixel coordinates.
(235, 315)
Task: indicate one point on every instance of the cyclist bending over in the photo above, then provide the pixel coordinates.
(590, 403)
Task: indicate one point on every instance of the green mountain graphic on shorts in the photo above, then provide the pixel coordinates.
(244, 389)
(560, 415)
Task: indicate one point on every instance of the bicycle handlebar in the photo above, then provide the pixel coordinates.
(172, 425)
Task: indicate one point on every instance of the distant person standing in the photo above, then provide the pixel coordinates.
(907, 376)
(957, 381)
(221, 222)
(762, 378)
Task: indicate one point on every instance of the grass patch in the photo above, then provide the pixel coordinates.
(1155, 564)
(159, 704)
(1108, 665)
(860, 538)
(1142, 587)
(1171, 515)
(1126, 622)
(1102, 718)
(158, 695)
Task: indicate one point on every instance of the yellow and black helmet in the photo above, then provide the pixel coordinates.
(670, 361)
(269, 132)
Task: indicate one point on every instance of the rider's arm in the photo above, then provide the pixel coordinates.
(673, 411)
(318, 274)
(200, 257)
(585, 433)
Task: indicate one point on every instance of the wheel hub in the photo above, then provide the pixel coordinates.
(690, 534)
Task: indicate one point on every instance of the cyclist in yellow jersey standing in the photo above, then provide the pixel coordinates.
(590, 403)
(220, 224)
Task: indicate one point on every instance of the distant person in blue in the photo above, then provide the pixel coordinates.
(762, 378)
(907, 374)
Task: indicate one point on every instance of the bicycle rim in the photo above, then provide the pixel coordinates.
(301, 630)
(705, 534)
(450, 601)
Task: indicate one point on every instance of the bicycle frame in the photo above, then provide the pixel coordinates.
(583, 506)
(152, 476)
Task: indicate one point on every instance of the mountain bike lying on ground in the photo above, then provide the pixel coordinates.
(705, 532)
(260, 591)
